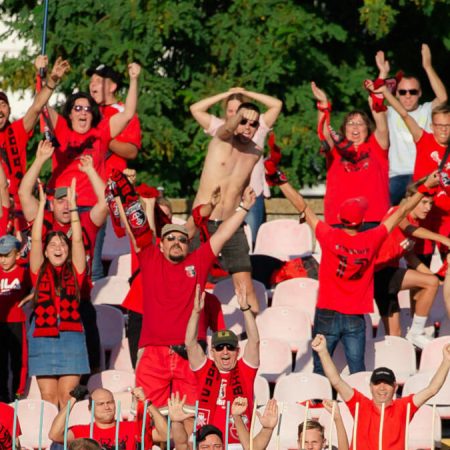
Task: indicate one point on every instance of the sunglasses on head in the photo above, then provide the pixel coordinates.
(253, 124)
(410, 91)
(79, 108)
(229, 347)
(182, 239)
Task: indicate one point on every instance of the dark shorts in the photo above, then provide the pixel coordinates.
(388, 283)
(234, 256)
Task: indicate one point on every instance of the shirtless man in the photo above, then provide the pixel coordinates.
(229, 162)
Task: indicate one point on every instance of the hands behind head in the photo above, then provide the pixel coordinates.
(249, 114)
(134, 69)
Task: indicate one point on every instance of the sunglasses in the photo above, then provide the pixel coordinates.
(182, 239)
(79, 108)
(253, 124)
(229, 347)
(410, 91)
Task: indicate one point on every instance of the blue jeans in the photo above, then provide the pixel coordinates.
(97, 263)
(397, 187)
(255, 216)
(351, 328)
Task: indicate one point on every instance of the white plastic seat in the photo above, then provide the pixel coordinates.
(299, 387)
(419, 430)
(359, 381)
(431, 357)
(303, 356)
(121, 266)
(261, 390)
(113, 380)
(284, 239)
(80, 414)
(114, 246)
(110, 290)
(120, 358)
(300, 293)
(275, 359)
(111, 326)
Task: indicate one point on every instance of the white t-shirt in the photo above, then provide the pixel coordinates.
(402, 149)
(257, 178)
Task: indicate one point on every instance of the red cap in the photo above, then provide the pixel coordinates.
(352, 211)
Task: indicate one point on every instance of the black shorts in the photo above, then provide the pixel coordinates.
(234, 256)
(388, 283)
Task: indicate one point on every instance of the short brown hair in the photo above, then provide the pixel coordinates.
(440, 109)
(412, 188)
(311, 425)
(367, 120)
(84, 444)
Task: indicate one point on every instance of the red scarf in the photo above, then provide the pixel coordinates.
(211, 386)
(45, 309)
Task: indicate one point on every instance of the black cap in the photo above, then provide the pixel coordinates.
(105, 71)
(383, 374)
(206, 430)
(4, 97)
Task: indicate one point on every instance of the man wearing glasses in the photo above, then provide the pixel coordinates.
(229, 162)
(225, 377)
(402, 151)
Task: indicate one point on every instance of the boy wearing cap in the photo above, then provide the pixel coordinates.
(15, 285)
(223, 378)
(382, 386)
(347, 270)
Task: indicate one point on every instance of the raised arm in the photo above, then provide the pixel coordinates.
(200, 112)
(338, 422)
(119, 121)
(56, 432)
(205, 211)
(31, 116)
(322, 104)
(226, 131)
(319, 345)
(437, 381)
(251, 351)
(272, 104)
(381, 127)
(36, 253)
(196, 355)
(78, 250)
(410, 203)
(436, 83)
(99, 211)
(4, 190)
(230, 225)
(29, 202)
(177, 417)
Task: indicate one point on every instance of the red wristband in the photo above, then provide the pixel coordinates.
(323, 108)
(423, 189)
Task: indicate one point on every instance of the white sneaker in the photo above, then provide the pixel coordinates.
(419, 340)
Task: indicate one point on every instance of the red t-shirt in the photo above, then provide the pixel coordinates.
(346, 268)
(66, 157)
(131, 134)
(393, 247)
(4, 221)
(14, 286)
(168, 291)
(13, 148)
(369, 422)
(247, 376)
(7, 426)
(429, 156)
(106, 437)
(364, 175)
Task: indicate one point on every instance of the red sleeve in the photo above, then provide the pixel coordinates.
(356, 398)
(213, 313)
(132, 133)
(376, 146)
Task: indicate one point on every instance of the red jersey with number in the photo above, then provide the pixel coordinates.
(363, 172)
(131, 134)
(396, 245)
(66, 158)
(227, 392)
(14, 286)
(347, 267)
(169, 291)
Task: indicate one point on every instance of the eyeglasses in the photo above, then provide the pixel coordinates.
(352, 123)
(410, 91)
(213, 446)
(253, 124)
(79, 108)
(229, 347)
(441, 126)
(182, 239)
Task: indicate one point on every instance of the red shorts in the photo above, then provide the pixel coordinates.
(161, 371)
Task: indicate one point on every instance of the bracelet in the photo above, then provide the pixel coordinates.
(243, 207)
(73, 210)
(75, 220)
(323, 108)
(246, 309)
(49, 87)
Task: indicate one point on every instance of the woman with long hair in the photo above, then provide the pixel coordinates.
(57, 344)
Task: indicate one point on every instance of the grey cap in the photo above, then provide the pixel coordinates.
(61, 192)
(8, 243)
(171, 227)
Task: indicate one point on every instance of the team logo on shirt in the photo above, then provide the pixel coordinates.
(203, 417)
(190, 271)
(355, 161)
(6, 286)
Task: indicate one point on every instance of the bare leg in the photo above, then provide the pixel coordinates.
(246, 279)
(65, 384)
(49, 388)
(424, 296)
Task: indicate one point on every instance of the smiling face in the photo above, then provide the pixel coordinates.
(225, 357)
(382, 392)
(61, 211)
(57, 251)
(441, 128)
(356, 129)
(81, 116)
(4, 114)
(409, 93)
(175, 246)
(314, 440)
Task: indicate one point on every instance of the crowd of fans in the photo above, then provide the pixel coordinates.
(52, 237)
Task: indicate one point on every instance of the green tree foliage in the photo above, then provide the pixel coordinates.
(191, 49)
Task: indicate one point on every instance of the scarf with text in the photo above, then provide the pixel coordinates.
(46, 311)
